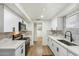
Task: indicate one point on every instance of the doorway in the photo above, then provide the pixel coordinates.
(39, 36)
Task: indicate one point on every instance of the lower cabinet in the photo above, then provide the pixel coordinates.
(54, 47)
(50, 43)
(20, 51)
(70, 54)
(57, 49)
(60, 51)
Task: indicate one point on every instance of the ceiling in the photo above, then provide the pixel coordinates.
(14, 9)
(43, 11)
(40, 11)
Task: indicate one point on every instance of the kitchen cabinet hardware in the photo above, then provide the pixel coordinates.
(57, 49)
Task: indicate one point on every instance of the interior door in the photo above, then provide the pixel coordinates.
(39, 30)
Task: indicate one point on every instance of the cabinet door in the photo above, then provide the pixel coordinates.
(60, 23)
(53, 46)
(49, 43)
(70, 54)
(56, 49)
(11, 20)
(21, 50)
(60, 51)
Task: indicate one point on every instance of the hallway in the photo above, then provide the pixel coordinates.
(39, 50)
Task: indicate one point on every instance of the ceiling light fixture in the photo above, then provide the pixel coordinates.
(42, 16)
(44, 9)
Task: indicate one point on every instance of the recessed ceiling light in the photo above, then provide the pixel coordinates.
(44, 9)
(42, 16)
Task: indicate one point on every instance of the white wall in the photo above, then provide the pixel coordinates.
(1, 17)
(10, 20)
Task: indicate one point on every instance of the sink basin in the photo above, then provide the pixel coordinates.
(67, 43)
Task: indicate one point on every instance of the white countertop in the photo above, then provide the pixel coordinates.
(72, 49)
(10, 44)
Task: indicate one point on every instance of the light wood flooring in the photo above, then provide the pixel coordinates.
(39, 50)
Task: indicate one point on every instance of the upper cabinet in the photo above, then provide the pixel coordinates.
(60, 23)
(9, 20)
(72, 21)
(57, 23)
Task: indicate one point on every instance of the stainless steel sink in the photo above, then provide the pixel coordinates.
(67, 43)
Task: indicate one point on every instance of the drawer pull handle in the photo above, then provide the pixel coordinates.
(57, 49)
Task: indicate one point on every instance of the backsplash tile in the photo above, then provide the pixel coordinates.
(56, 32)
(5, 35)
(9, 34)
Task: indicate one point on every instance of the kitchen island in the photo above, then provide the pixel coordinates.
(9, 47)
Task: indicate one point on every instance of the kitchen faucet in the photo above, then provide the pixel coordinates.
(68, 35)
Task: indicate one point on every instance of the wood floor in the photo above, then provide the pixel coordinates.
(39, 50)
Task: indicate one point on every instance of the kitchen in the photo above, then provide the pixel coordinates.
(39, 29)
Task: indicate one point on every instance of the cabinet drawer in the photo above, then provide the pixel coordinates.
(60, 51)
(21, 50)
(70, 54)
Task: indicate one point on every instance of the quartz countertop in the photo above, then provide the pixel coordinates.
(8, 43)
(72, 49)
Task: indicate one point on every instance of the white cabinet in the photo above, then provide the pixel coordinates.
(50, 43)
(8, 19)
(73, 21)
(57, 49)
(57, 23)
(53, 47)
(15, 51)
(11, 20)
(20, 51)
(60, 51)
(60, 23)
(70, 54)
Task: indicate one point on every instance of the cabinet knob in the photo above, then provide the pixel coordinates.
(21, 51)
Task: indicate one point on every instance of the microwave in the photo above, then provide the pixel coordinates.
(22, 26)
